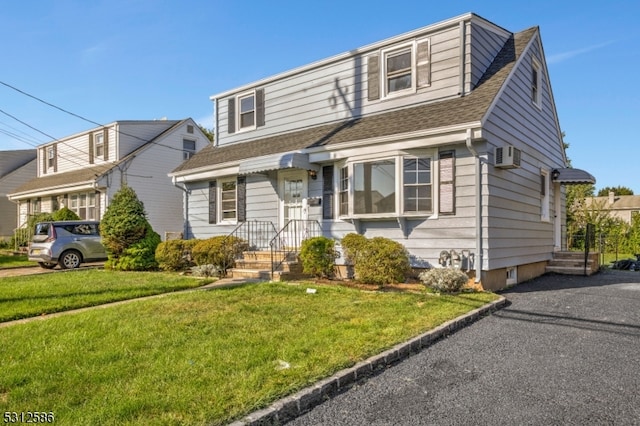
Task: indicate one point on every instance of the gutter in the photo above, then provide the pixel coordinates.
(186, 206)
(478, 169)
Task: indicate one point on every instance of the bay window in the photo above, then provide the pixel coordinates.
(374, 187)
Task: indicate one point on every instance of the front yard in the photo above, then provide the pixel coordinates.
(204, 357)
(8, 260)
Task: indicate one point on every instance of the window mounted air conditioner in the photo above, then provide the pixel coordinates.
(507, 157)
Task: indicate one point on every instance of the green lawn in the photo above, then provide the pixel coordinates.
(8, 260)
(205, 357)
(32, 295)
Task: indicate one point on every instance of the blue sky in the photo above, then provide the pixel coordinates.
(142, 59)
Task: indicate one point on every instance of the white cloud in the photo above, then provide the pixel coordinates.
(560, 57)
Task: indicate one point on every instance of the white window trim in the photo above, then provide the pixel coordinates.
(535, 65)
(98, 136)
(51, 157)
(398, 157)
(220, 213)
(383, 68)
(241, 96)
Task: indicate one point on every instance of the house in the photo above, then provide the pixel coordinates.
(84, 171)
(16, 168)
(624, 207)
(444, 138)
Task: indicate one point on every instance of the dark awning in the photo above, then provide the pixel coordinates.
(572, 176)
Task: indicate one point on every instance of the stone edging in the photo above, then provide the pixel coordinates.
(290, 407)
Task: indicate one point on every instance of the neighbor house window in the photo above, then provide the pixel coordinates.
(84, 205)
(99, 145)
(535, 83)
(51, 157)
(417, 185)
(374, 187)
(188, 149)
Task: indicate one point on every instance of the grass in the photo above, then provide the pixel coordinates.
(205, 357)
(33, 295)
(8, 260)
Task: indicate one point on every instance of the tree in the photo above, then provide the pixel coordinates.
(207, 132)
(127, 235)
(617, 190)
(65, 213)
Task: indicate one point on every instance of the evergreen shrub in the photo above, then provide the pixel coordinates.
(175, 255)
(445, 280)
(318, 256)
(220, 251)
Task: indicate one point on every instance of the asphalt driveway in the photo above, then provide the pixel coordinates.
(564, 351)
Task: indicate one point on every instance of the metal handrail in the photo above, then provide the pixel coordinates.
(289, 240)
(250, 236)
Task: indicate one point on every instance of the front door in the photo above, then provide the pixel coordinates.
(293, 192)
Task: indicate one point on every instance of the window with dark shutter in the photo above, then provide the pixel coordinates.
(447, 182)
(423, 64)
(327, 192)
(213, 195)
(231, 116)
(106, 144)
(373, 77)
(242, 198)
(43, 155)
(55, 158)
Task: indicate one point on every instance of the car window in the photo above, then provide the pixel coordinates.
(42, 229)
(80, 229)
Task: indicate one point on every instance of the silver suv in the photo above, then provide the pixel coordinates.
(66, 243)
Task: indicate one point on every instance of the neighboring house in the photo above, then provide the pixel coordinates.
(444, 138)
(16, 168)
(85, 170)
(624, 207)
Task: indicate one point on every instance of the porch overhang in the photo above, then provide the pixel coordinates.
(288, 160)
(568, 176)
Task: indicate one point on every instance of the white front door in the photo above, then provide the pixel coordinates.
(292, 195)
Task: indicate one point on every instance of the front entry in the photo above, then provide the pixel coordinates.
(292, 188)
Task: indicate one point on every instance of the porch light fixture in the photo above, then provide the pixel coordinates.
(555, 174)
(313, 174)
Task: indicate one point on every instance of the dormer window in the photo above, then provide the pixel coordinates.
(51, 157)
(399, 74)
(99, 145)
(246, 111)
(399, 70)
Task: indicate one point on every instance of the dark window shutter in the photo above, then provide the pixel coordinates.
(373, 77)
(213, 195)
(447, 172)
(260, 107)
(327, 192)
(231, 113)
(44, 153)
(98, 194)
(105, 140)
(91, 148)
(55, 158)
(241, 190)
(423, 64)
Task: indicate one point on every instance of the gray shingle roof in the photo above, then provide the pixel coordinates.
(467, 109)
(61, 179)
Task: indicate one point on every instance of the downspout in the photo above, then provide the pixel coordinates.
(185, 227)
(478, 169)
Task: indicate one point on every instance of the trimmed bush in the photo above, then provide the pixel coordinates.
(318, 256)
(127, 235)
(204, 271)
(65, 213)
(352, 245)
(220, 251)
(382, 261)
(445, 280)
(175, 255)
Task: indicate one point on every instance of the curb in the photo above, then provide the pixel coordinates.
(288, 408)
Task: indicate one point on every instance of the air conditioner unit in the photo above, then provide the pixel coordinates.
(507, 157)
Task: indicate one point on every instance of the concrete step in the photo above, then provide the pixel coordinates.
(266, 265)
(265, 255)
(570, 270)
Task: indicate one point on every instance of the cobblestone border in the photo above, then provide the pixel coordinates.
(287, 409)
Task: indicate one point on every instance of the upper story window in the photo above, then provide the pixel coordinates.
(51, 157)
(399, 70)
(535, 83)
(188, 148)
(246, 111)
(99, 145)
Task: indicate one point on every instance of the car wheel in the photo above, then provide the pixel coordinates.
(70, 259)
(47, 265)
